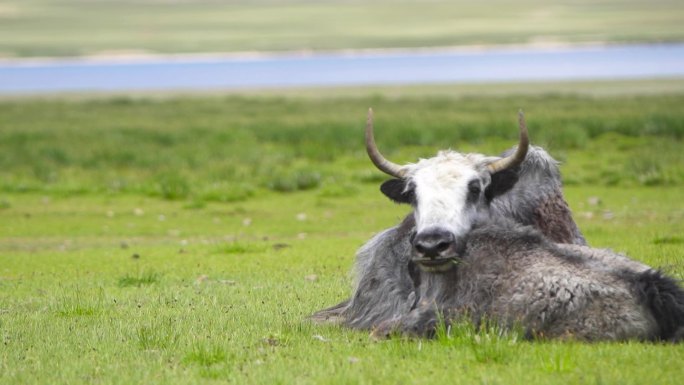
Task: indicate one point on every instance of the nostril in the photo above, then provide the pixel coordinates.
(443, 246)
(432, 244)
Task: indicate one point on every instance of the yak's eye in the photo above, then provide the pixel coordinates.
(474, 187)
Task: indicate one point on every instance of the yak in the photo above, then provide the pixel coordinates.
(492, 238)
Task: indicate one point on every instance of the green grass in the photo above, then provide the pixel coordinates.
(82, 27)
(144, 278)
(230, 304)
(142, 241)
(233, 148)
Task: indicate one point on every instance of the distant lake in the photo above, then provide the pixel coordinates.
(343, 69)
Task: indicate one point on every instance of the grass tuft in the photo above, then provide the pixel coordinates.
(488, 343)
(298, 180)
(173, 186)
(157, 336)
(80, 304)
(669, 240)
(141, 279)
(226, 192)
(236, 247)
(205, 354)
(560, 360)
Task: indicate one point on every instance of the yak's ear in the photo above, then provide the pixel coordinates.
(395, 189)
(502, 181)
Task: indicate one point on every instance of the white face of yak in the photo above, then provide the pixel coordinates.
(447, 191)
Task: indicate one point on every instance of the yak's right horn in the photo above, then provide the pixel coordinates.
(376, 157)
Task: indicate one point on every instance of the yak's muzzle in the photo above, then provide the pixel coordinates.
(435, 250)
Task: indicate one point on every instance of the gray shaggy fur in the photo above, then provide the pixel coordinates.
(384, 288)
(512, 275)
(537, 199)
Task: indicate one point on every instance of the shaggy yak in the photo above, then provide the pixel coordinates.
(492, 238)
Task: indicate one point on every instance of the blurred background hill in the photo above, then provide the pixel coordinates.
(31, 28)
(227, 148)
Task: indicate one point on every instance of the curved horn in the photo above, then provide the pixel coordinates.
(376, 157)
(520, 153)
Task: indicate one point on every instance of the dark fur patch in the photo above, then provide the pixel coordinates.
(414, 273)
(552, 216)
(665, 298)
(395, 189)
(406, 228)
(502, 181)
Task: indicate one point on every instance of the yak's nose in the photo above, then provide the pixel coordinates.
(432, 243)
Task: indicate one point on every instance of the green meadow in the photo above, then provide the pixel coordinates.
(30, 28)
(185, 239)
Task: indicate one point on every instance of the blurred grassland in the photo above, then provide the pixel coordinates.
(228, 148)
(84, 27)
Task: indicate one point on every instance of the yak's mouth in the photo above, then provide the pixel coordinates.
(436, 265)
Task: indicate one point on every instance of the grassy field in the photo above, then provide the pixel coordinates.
(185, 239)
(85, 27)
(228, 148)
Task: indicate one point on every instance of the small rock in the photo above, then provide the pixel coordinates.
(161, 217)
(594, 201)
(587, 214)
(311, 277)
(353, 360)
(301, 217)
(247, 222)
(320, 338)
(227, 282)
(271, 341)
(280, 246)
(138, 212)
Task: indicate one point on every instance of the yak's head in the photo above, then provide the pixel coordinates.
(449, 193)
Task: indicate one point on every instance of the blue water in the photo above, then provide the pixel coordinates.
(448, 66)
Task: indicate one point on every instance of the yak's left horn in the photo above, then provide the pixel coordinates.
(376, 157)
(520, 153)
